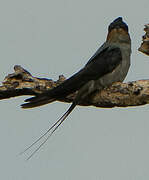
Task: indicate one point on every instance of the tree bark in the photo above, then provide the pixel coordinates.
(135, 93)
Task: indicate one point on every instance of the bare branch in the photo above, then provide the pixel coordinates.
(21, 82)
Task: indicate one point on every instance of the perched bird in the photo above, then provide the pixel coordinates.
(109, 64)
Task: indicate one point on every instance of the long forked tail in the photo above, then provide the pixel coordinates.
(51, 130)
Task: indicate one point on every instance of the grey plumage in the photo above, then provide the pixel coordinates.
(109, 64)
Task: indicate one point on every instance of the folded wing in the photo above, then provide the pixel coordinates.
(100, 64)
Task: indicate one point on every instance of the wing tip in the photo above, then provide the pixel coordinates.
(36, 101)
(27, 105)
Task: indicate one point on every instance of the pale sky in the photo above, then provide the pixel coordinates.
(50, 38)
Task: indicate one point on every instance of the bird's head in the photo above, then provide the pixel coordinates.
(118, 31)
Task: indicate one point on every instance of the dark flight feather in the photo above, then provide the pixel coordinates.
(104, 62)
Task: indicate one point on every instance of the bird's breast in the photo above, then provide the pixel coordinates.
(119, 73)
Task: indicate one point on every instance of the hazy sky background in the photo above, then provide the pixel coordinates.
(50, 38)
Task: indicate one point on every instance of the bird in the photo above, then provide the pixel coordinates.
(109, 64)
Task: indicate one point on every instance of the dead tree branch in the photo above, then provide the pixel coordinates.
(21, 82)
